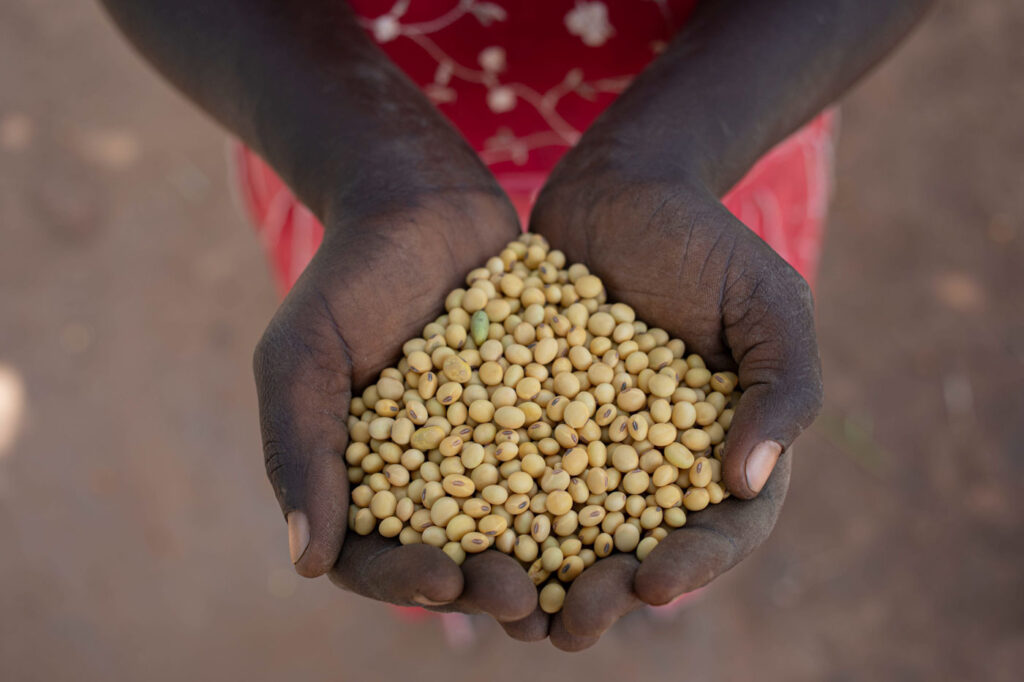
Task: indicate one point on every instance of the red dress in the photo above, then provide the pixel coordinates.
(522, 80)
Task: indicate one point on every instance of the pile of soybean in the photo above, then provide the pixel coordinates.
(540, 419)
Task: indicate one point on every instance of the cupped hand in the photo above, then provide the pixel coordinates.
(684, 263)
(376, 280)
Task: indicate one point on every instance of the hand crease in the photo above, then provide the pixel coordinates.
(728, 269)
(708, 255)
(686, 249)
(346, 349)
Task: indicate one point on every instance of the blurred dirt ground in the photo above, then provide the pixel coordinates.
(139, 539)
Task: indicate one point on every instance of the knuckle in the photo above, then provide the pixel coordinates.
(273, 457)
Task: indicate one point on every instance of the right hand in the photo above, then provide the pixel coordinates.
(684, 263)
(373, 284)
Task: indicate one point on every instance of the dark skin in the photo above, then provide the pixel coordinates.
(408, 209)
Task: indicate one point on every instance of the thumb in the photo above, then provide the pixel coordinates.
(771, 333)
(303, 395)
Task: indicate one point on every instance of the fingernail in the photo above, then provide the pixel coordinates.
(298, 535)
(420, 599)
(760, 464)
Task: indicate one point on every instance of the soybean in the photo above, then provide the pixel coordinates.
(539, 418)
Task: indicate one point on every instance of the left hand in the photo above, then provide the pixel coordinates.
(371, 286)
(684, 263)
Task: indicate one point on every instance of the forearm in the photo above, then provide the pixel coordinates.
(302, 84)
(738, 79)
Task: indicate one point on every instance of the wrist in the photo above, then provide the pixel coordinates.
(609, 171)
(625, 155)
(403, 174)
(464, 223)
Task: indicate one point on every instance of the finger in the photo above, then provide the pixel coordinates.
(712, 541)
(770, 329)
(303, 389)
(533, 628)
(497, 585)
(600, 596)
(382, 569)
(562, 639)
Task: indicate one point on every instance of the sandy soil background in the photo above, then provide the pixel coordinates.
(139, 539)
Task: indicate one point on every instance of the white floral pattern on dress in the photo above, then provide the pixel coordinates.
(386, 28)
(501, 99)
(589, 22)
(492, 59)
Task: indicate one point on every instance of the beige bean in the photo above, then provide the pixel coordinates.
(700, 472)
(597, 480)
(455, 552)
(625, 458)
(651, 517)
(631, 400)
(715, 493)
(636, 482)
(551, 598)
(517, 504)
(662, 435)
(637, 428)
(716, 434)
(684, 415)
(616, 501)
(592, 515)
(555, 480)
(566, 524)
(696, 440)
(668, 496)
(474, 542)
(645, 547)
(383, 504)
(390, 527)
(526, 548)
(578, 490)
(697, 377)
(696, 499)
(675, 517)
(458, 526)
(495, 494)
(409, 536)
(509, 417)
(570, 569)
(635, 505)
(476, 507)
(443, 510)
(626, 537)
(566, 384)
(604, 545)
(434, 536)
(427, 437)
(365, 522)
